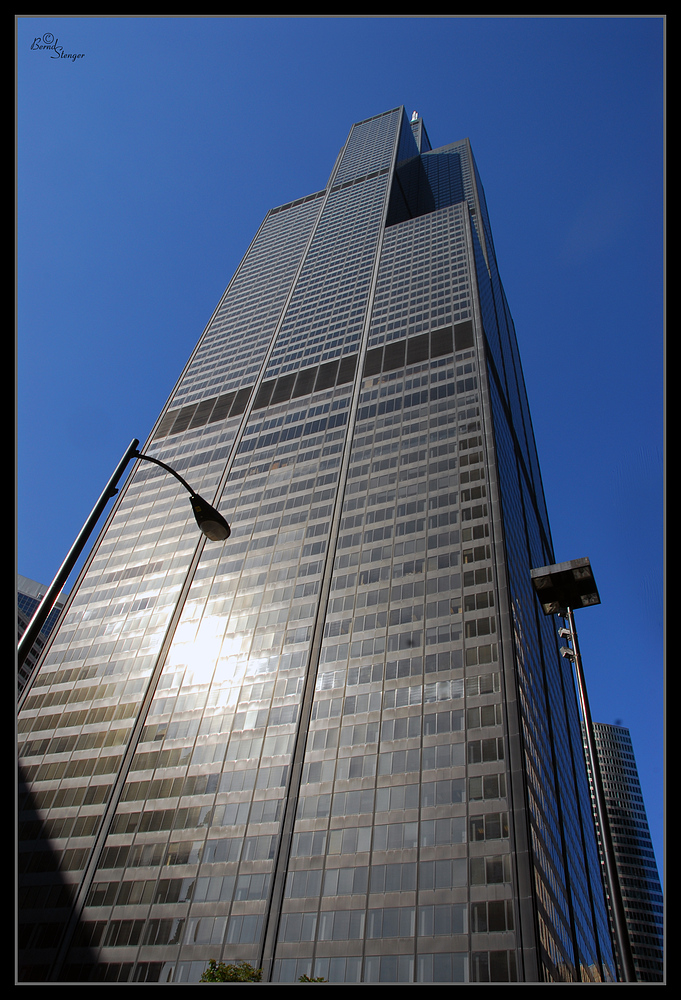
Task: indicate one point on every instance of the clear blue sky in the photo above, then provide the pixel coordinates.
(145, 166)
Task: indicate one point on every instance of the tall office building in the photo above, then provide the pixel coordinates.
(29, 595)
(343, 743)
(634, 854)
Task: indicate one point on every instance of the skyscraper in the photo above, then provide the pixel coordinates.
(343, 743)
(634, 854)
(29, 594)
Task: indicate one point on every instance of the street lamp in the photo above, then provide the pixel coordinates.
(561, 588)
(210, 521)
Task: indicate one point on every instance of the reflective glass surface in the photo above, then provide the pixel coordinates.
(342, 743)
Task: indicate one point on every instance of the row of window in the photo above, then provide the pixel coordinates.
(375, 923)
(440, 967)
(428, 693)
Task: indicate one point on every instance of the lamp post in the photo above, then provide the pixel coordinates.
(210, 521)
(561, 588)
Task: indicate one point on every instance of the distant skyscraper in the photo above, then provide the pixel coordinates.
(343, 743)
(635, 858)
(29, 595)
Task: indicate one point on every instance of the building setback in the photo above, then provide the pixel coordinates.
(342, 743)
(634, 854)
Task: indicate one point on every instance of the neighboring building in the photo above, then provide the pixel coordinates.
(634, 855)
(29, 596)
(343, 743)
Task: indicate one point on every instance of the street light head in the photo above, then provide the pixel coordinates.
(565, 585)
(209, 520)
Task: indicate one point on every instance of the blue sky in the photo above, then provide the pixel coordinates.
(145, 166)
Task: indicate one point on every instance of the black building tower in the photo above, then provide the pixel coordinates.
(634, 854)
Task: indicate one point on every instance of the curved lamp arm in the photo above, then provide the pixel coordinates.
(210, 521)
(156, 461)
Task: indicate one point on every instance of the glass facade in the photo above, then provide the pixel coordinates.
(634, 854)
(29, 595)
(342, 743)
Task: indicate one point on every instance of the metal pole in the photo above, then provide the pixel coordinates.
(55, 588)
(617, 905)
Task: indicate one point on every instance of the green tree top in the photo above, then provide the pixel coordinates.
(219, 972)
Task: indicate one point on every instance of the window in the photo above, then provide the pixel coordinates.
(393, 878)
(493, 967)
(341, 926)
(297, 926)
(345, 881)
(489, 786)
(486, 715)
(492, 916)
(491, 826)
(490, 871)
(394, 921)
(482, 751)
(445, 919)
